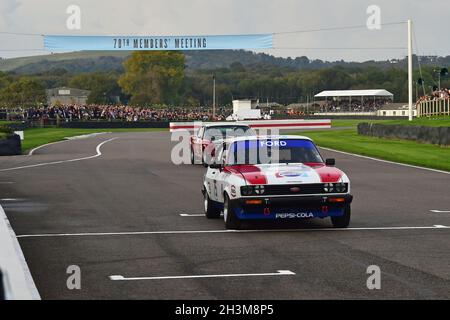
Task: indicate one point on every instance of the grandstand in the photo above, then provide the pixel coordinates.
(353, 101)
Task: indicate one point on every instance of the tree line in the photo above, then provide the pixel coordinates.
(151, 78)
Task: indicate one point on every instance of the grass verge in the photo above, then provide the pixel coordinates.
(403, 151)
(36, 137)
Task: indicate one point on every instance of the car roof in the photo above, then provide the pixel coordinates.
(271, 137)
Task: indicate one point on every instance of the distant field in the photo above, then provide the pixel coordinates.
(402, 151)
(14, 63)
(36, 137)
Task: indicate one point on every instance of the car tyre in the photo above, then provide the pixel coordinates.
(211, 212)
(344, 220)
(231, 221)
(192, 156)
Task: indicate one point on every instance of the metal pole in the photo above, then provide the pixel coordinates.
(214, 96)
(410, 70)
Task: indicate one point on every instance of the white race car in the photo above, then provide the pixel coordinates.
(275, 178)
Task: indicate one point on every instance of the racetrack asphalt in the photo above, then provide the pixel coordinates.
(134, 187)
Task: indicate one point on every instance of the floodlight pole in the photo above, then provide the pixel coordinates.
(410, 71)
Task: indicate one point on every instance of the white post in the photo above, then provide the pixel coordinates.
(410, 70)
(214, 96)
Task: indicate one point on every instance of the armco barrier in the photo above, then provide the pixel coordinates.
(426, 134)
(17, 280)
(296, 124)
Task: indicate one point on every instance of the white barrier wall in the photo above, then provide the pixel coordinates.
(259, 124)
(18, 282)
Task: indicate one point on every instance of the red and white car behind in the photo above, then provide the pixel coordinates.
(202, 142)
(275, 178)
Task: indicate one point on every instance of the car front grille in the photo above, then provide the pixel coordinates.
(282, 189)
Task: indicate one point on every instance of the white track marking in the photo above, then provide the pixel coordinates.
(439, 211)
(385, 161)
(98, 154)
(278, 273)
(136, 233)
(192, 214)
(11, 199)
(44, 145)
(66, 140)
(84, 136)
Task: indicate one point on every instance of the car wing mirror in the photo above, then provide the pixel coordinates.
(330, 162)
(216, 166)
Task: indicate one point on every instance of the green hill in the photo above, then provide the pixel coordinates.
(89, 61)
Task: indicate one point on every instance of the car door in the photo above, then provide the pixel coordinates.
(222, 176)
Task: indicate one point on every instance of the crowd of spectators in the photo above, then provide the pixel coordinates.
(435, 95)
(112, 113)
(354, 105)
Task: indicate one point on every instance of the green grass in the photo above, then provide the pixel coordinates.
(36, 137)
(5, 123)
(403, 151)
(433, 122)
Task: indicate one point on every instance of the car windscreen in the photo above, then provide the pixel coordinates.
(225, 132)
(273, 151)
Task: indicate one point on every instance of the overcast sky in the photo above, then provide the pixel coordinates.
(202, 17)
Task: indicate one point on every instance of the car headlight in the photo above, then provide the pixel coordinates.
(258, 189)
(252, 190)
(328, 187)
(247, 190)
(340, 187)
(335, 187)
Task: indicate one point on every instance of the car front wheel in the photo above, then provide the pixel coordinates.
(211, 212)
(231, 221)
(344, 220)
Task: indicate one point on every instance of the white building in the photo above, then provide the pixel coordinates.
(396, 110)
(245, 109)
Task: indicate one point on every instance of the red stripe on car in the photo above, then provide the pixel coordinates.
(251, 173)
(328, 174)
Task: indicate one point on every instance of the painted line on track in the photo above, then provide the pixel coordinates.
(385, 161)
(439, 211)
(137, 233)
(67, 139)
(192, 214)
(44, 145)
(98, 154)
(271, 274)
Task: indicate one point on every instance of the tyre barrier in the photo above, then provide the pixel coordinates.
(11, 146)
